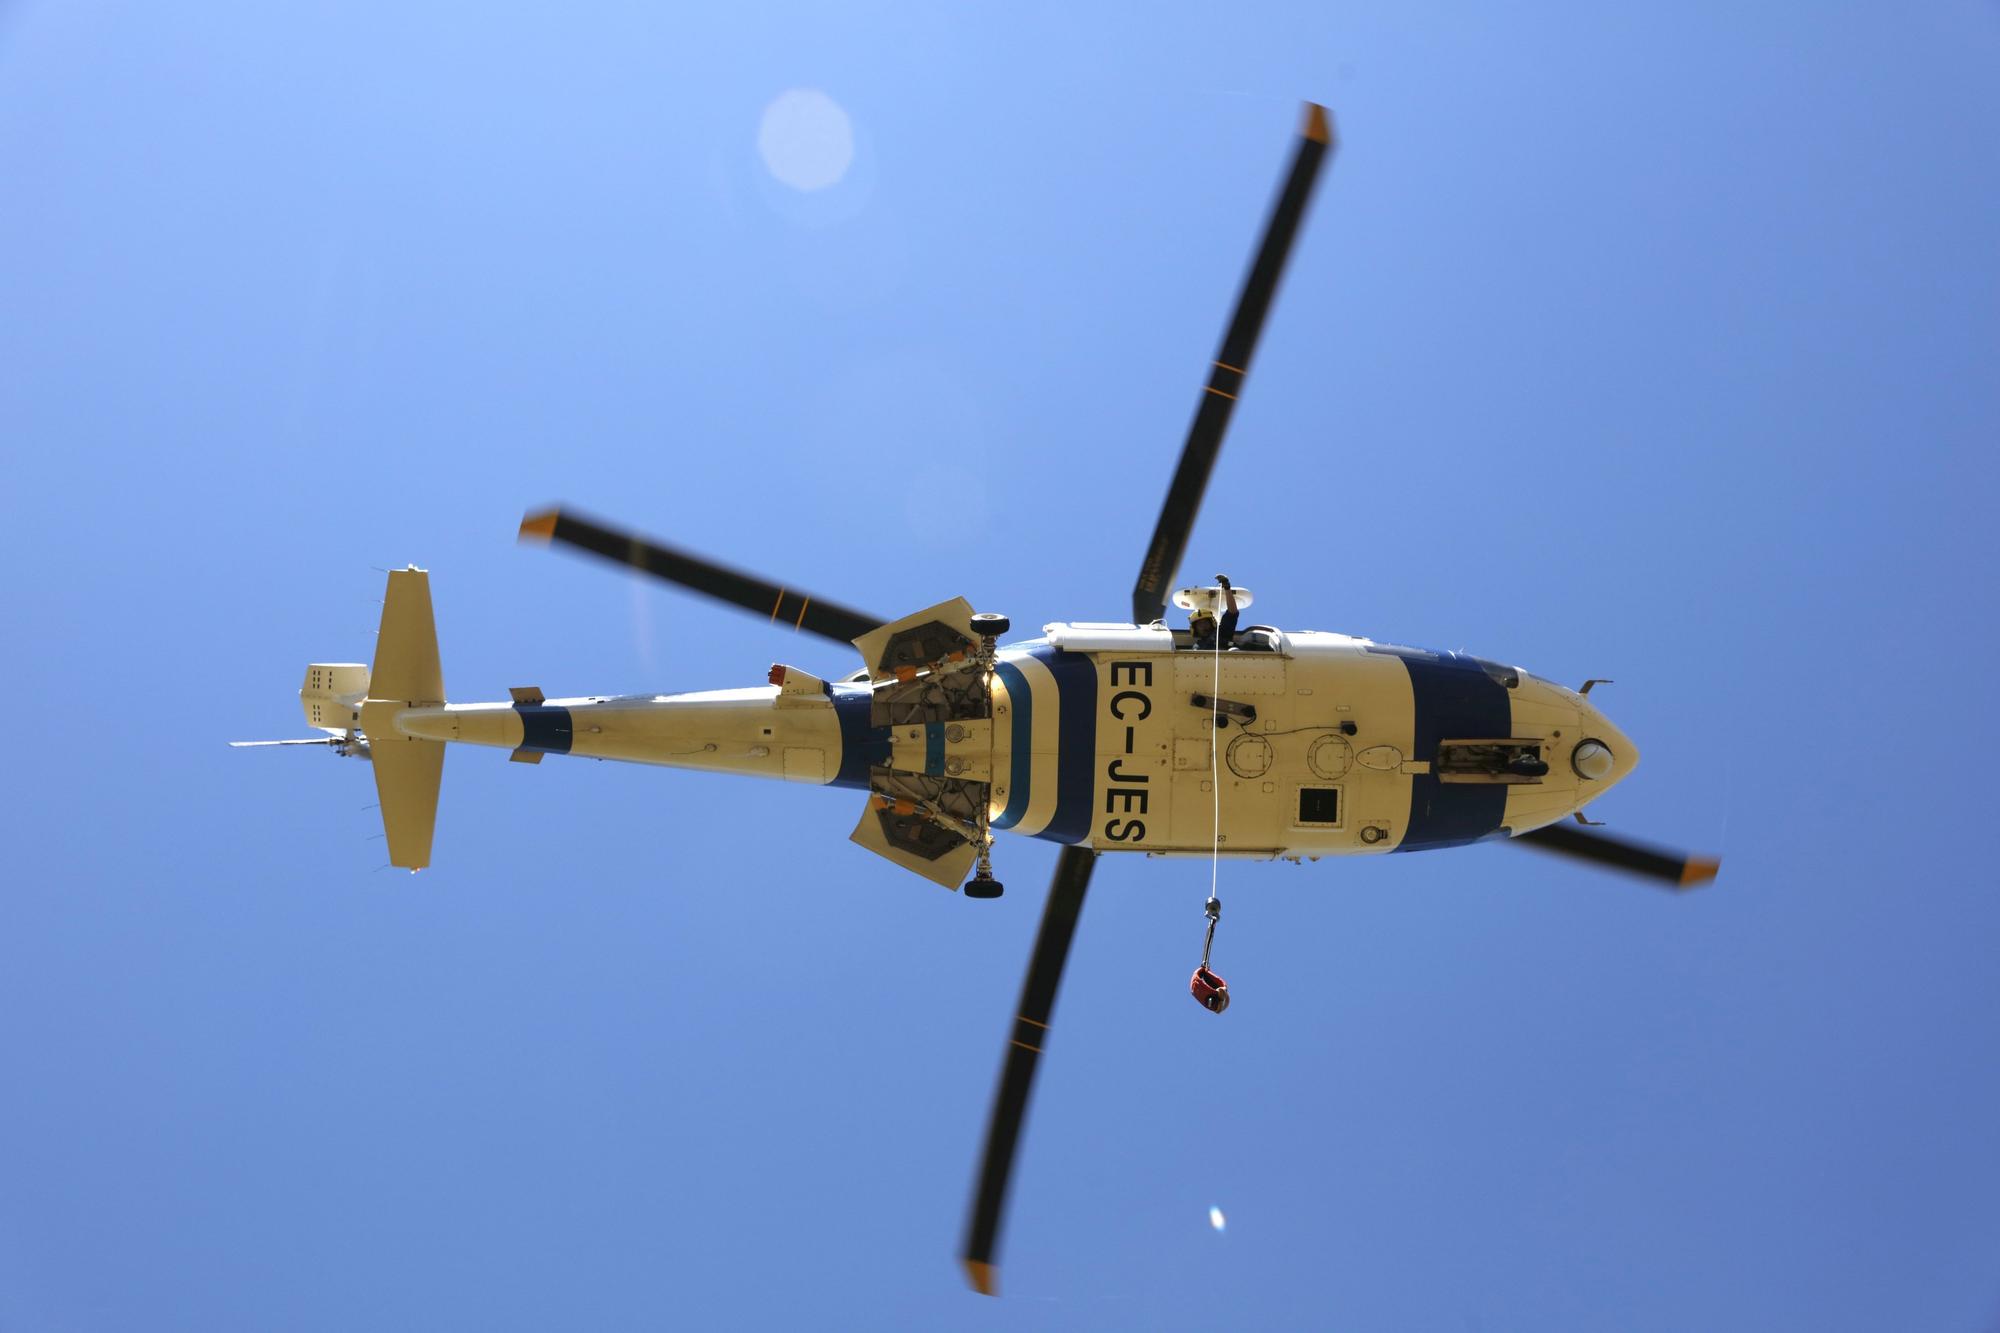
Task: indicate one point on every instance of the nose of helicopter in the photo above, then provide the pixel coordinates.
(1605, 756)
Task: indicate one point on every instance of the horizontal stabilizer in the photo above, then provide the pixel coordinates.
(407, 773)
(407, 769)
(406, 650)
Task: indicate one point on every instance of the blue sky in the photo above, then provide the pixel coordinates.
(1648, 345)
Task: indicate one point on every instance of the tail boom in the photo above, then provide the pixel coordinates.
(754, 732)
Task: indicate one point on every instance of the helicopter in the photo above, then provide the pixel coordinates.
(1210, 739)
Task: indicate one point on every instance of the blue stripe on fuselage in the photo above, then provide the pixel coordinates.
(1076, 695)
(545, 728)
(863, 745)
(1457, 697)
(1021, 703)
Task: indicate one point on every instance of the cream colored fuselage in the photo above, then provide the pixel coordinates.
(1096, 737)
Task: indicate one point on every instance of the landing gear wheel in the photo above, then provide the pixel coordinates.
(991, 624)
(984, 888)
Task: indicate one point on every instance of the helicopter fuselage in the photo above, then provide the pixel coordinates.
(1130, 739)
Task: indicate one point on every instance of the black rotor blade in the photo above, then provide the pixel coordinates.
(1017, 1074)
(1676, 870)
(784, 605)
(1228, 372)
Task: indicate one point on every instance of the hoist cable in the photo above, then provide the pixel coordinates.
(1215, 791)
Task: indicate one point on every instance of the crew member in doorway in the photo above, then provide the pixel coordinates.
(1202, 624)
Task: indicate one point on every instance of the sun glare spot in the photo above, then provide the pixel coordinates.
(806, 139)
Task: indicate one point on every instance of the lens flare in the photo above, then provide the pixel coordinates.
(806, 139)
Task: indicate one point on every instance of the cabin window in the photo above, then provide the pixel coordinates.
(1319, 805)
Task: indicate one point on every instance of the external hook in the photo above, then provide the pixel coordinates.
(1210, 991)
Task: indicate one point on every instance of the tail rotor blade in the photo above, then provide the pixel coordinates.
(1229, 371)
(785, 605)
(1673, 870)
(1017, 1072)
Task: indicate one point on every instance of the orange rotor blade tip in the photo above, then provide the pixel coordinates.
(540, 527)
(1699, 871)
(984, 1279)
(1319, 126)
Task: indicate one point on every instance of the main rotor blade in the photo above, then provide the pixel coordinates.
(1228, 372)
(1676, 870)
(1017, 1074)
(784, 605)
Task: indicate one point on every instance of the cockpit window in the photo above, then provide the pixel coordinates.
(1500, 674)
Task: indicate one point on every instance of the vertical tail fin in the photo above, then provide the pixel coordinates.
(407, 769)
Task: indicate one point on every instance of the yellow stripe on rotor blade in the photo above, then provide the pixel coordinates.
(540, 527)
(1318, 128)
(1699, 870)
